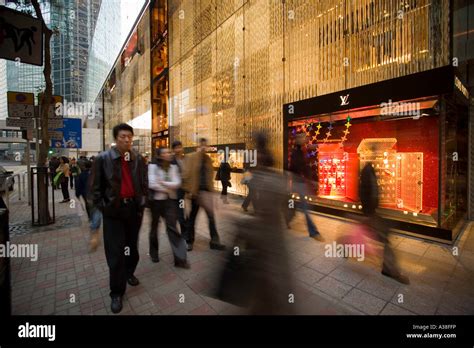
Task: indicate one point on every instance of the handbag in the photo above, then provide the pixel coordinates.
(57, 178)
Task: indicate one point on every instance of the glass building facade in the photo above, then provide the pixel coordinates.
(75, 20)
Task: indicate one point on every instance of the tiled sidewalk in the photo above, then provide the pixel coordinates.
(440, 282)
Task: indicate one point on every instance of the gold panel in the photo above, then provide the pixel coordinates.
(240, 61)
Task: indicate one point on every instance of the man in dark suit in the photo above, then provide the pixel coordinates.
(119, 189)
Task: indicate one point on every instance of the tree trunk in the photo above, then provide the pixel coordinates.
(42, 174)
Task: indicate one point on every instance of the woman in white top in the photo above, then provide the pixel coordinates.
(164, 180)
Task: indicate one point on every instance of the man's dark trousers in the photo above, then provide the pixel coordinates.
(121, 245)
(190, 230)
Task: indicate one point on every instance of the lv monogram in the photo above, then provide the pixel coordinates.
(344, 99)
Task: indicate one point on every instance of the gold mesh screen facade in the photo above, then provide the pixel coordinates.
(234, 63)
(127, 93)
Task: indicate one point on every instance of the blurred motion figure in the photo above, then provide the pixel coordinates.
(258, 277)
(369, 196)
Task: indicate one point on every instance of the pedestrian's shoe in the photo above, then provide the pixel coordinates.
(133, 281)
(182, 264)
(65, 201)
(94, 242)
(244, 209)
(189, 246)
(116, 305)
(155, 259)
(397, 276)
(217, 246)
(317, 237)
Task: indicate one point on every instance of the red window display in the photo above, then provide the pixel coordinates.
(404, 154)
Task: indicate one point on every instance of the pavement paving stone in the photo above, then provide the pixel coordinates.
(364, 301)
(333, 287)
(441, 283)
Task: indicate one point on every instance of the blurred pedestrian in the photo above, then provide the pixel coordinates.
(369, 196)
(198, 183)
(258, 276)
(75, 171)
(247, 180)
(83, 186)
(62, 176)
(119, 190)
(223, 175)
(178, 159)
(300, 177)
(164, 180)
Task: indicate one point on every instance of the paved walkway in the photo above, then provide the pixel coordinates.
(441, 283)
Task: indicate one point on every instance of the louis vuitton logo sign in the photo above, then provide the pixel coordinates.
(344, 99)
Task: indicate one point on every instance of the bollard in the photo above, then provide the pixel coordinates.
(5, 284)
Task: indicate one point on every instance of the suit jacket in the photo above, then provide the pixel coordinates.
(107, 179)
(192, 171)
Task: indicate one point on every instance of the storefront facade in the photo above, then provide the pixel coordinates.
(413, 130)
(125, 96)
(159, 73)
(223, 70)
(234, 64)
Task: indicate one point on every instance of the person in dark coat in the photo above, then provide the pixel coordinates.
(119, 190)
(369, 197)
(53, 165)
(81, 184)
(259, 278)
(223, 174)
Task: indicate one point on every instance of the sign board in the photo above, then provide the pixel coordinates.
(54, 123)
(21, 104)
(21, 37)
(52, 107)
(72, 134)
(55, 135)
(25, 123)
